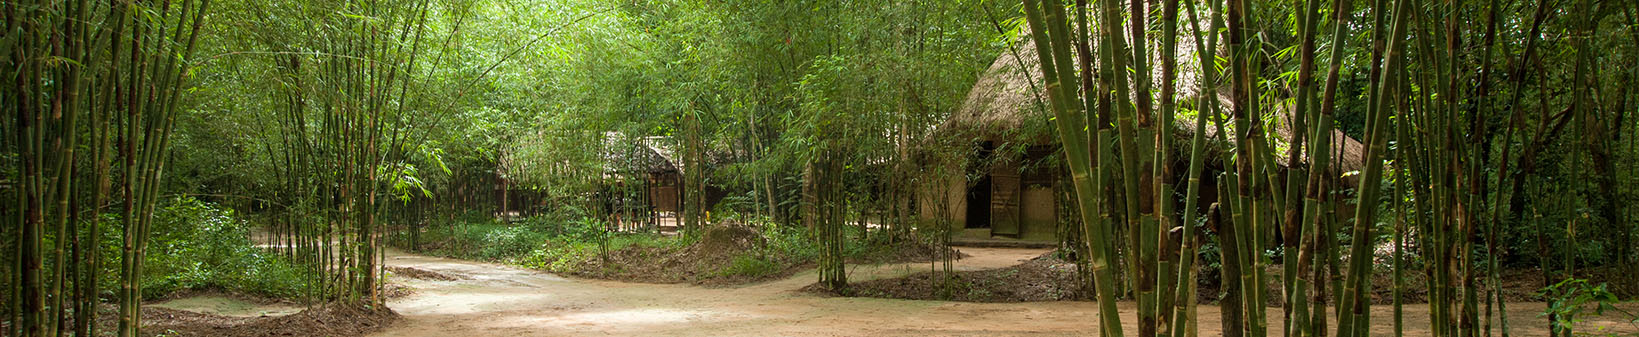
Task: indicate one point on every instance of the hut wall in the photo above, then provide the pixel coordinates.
(1039, 218)
(1035, 210)
(943, 201)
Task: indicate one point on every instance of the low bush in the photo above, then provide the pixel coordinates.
(559, 257)
(508, 242)
(749, 266)
(198, 245)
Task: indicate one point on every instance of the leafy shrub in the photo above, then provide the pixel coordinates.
(508, 242)
(792, 242)
(749, 265)
(559, 258)
(197, 245)
(487, 239)
(565, 243)
(554, 241)
(1570, 298)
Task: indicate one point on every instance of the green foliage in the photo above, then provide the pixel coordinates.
(791, 242)
(562, 257)
(199, 245)
(559, 244)
(553, 242)
(567, 253)
(508, 242)
(1573, 297)
(749, 266)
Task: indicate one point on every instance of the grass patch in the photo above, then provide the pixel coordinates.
(748, 266)
(720, 255)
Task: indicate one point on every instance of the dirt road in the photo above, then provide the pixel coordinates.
(497, 300)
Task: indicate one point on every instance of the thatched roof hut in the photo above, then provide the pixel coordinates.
(1008, 103)
(1014, 198)
(639, 155)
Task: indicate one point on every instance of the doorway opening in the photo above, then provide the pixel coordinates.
(978, 195)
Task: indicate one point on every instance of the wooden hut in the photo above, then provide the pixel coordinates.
(645, 183)
(651, 163)
(1004, 184)
(1010, 184)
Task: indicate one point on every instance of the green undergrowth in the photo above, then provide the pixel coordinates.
(727, 253)
(568, 255)
(198, 245)
(475, 237)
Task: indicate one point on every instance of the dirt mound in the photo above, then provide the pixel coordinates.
(697, 263)
(334, 321)
(422, 274)
(726, 239)
(638, 264)
(396, 291)
(717, 248)
(904, 251)
(1044, 278)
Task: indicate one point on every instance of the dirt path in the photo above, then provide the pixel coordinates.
(495, 300)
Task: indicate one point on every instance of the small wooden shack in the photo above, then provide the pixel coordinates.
(651, 163)
(656, 178)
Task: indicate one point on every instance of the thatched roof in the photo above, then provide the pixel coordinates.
(628, 156)
(1007, 98)
(1007, 103)
(661, 154)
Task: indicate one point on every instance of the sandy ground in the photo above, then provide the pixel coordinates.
(227, 306)
(497, 300)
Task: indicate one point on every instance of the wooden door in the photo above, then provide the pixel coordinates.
(1004, 201)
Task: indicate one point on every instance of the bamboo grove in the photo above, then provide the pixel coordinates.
(88, 82)
(1276, 155)
(1447, 143)
(97, 91)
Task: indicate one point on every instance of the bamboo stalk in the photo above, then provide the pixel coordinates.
(1357, 283)
(1048, 29)
(1114, 51)
(1166, 262)
(1291, 222)
(1320, 149)
(1184, 303)
(1246, 197)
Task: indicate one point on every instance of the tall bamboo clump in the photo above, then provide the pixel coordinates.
(1136, 199)
(1437, 151)
(350, 97)
(101, 73)
(829, 163)
(1050, 31)
(347, 96)
(832, 208)
(1123, 170)
(694, 175)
